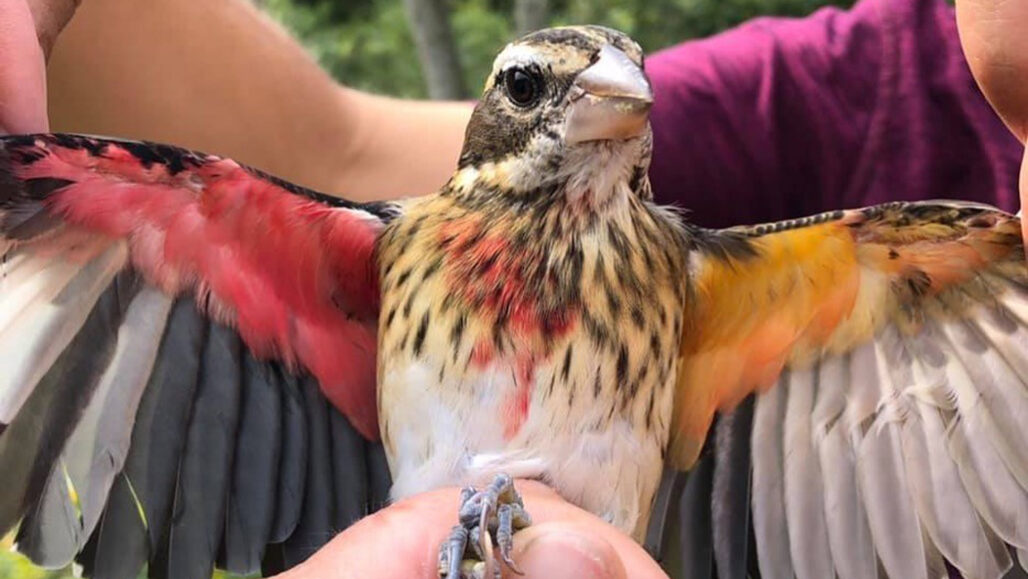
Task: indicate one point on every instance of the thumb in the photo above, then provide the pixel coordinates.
(51, 16)
(22, 74)
(561, 550)
(1024, 195)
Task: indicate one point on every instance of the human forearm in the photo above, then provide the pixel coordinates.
(221, 77)
(407, 147)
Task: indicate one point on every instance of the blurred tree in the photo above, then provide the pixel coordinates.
(430, 21)
(530, 15)
(656, 24)
(368, 44)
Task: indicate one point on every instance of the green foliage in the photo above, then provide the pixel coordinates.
(480, 31)
(368, 45)
(13, 565)
(657, 24)
(373, 51)
(16, 566)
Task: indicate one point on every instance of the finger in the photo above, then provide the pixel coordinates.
(51, 16)
(22, 73)
(1024, 197)
(992, 34)
(564, 550)
(544, 504)
(402, 541)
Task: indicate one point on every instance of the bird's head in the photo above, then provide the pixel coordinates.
(564, 112)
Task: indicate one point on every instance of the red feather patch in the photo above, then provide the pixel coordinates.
(296, 277)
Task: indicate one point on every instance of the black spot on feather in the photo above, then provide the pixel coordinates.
(622, 365)
(613, 300)
(409, 305)
(597, 331)
(432, 268)
(486, 264)
(649, 408)
(637, 316)
(457, 334)
(419, 338)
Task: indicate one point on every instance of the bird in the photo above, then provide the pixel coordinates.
(198, 355)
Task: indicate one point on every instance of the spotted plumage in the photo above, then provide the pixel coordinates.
(553, 337)
(542, 334)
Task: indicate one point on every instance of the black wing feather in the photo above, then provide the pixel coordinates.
(173, 386)
(348, 470)
(119, 546)
(379, 479)
(200, 496)
(292, 473)
(251, 500)
(666, 501)
(86, 558)
(730, 499)
(696, 550)
(315, 526)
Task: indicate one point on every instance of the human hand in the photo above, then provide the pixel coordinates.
(28, 29)
(402, 542)
(994, 35)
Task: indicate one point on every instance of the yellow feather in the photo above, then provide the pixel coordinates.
(751, 315)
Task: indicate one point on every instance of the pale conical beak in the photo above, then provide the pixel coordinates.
(610, 100)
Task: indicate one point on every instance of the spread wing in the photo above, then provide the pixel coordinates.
(886, 350)
(188, 353)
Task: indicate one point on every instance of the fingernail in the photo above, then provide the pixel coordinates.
(567, 554)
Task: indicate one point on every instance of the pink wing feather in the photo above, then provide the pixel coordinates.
(292, 270)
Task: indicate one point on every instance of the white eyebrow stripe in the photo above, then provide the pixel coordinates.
(517, 55)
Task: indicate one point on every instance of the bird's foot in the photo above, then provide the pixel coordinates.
(488, 518)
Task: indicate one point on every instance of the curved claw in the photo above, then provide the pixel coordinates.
(491, 515)
(505, 536)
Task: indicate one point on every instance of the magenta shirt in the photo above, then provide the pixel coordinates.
(785, 117)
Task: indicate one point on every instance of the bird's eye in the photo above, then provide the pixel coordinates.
(522, 87)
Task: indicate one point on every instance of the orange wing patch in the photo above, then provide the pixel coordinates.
(749, 314)
(823, 288)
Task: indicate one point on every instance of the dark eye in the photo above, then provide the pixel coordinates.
(522, 86)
